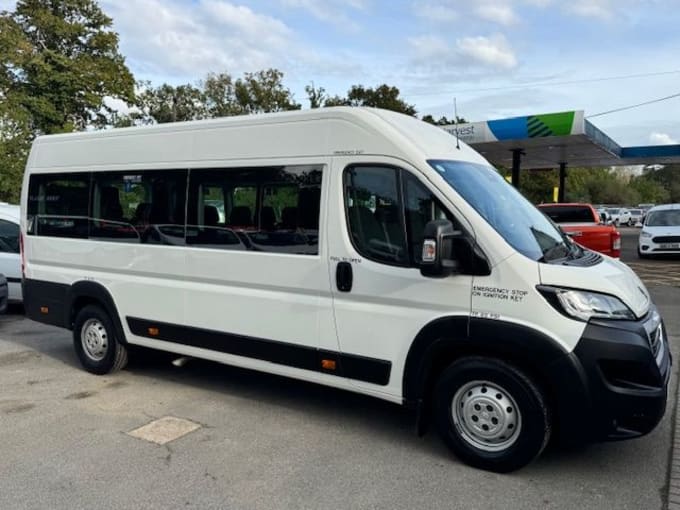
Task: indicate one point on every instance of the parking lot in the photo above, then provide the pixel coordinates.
(265, 442)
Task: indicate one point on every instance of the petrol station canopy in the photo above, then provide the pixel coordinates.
(553, 139)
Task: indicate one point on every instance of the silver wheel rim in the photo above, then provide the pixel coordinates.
(94, 339)
(486, 416)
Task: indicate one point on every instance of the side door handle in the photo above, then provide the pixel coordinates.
(343, 276)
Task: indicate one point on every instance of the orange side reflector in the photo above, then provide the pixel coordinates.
(44, 310)
(153, 331)
(328, 364)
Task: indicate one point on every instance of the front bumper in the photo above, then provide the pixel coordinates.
(624, 368)
(648, 246)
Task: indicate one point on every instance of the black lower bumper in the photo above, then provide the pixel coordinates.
(623, 371)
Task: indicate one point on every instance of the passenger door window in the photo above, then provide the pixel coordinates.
(421, 207)
(375, 213)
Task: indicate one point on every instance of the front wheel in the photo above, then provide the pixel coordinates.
(492, 415)
(96, 343)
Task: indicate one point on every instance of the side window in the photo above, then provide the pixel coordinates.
(375, 213)
(271, 209)
(139, 207)
(421, 207)
(9, 237)
(58, 205)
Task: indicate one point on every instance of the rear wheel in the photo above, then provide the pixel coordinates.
(96, 343)
(492, 415)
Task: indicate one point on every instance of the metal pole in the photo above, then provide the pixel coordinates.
(516, 159)
(563, 178)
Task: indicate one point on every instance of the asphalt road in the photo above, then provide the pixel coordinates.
(268, 442)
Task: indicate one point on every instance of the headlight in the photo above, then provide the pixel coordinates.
(645, 235)
(584, 305)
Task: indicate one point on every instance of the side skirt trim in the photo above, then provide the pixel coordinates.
(351, 366)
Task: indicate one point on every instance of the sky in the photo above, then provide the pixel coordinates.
(498, 58)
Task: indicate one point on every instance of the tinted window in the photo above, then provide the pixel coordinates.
(272, 209)
(663, 218)
(146, 207)
(568, 214)
(9, 237)
(58, 205)
(521, 224)
(375, 213)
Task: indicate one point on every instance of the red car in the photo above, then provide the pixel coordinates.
(583, 224)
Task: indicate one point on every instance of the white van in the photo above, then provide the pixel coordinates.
(356, 248)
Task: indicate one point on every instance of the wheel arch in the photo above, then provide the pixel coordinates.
(84, 293)
(444, 340)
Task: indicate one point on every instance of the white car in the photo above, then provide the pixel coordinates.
(10, 259)
(661, 231)
(619, 216)
(636, 217)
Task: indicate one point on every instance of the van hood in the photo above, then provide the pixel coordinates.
(610, 276)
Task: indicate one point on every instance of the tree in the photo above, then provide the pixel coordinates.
(167, 103)
(316, 96)
(263, 92)
(60, 60)
(443, 121)
(383, 96)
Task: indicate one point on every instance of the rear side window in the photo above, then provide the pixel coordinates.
(569, 214)
(271, 209)
(9, 237)
(142, 207)
(58, 205)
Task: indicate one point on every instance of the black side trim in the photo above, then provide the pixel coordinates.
(360, 368)
(38, 294)
(13, 280)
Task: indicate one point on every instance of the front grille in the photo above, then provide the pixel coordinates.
(666, 239)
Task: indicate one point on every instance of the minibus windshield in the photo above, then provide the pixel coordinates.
(521, 224)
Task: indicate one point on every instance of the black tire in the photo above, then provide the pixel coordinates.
(642, 255)
(109, 355)
(631, 223)
(532, 432)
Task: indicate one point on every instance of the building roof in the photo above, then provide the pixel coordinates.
(553, 138)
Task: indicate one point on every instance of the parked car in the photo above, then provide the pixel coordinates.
(3, 294)
(619, 215)
(10, 259)
(584, 226)
(661, 231)
(636, 217)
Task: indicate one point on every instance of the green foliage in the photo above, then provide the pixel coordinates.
(603, 186)
(443, 121)
(59, 59)
(219, 95)
(383, 96)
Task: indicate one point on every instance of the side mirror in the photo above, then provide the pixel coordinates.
(438, 259)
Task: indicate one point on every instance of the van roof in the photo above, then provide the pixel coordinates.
(337, 131)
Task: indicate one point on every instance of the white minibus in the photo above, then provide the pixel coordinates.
(356, 248)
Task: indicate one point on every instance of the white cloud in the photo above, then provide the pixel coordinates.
(466, 54)
(491, 51)
(662, 139)
(330, 11)
(602, 9)
(435, 12)
(171, 38)
(497, 13)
